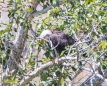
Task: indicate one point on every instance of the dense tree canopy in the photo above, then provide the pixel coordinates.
(84, 20)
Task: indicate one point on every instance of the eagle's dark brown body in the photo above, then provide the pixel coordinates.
(60, 40)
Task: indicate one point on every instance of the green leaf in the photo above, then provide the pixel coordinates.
(48, 83)
(93, 0)
(11, 14)
(10, 10)
(51, 1)
(70, 13)
(70, 77)
(74, 68)
(21, 23)
(54, 2)
(31, 84)
(44, 75)
(103, 44)
(47, 54)
(18, 1)
(61, 81)
(20, 72)
(54, 68)
(25, 24)
(29, 10)
(87, 1)
(105, 8)
(46, 20)
(62, 53)
(10, 81)
(80, 63)
(4, 31)
(58, 73)
(8, 51)
(104, 66)
(101, 12)
(46, 59)
(42, 1)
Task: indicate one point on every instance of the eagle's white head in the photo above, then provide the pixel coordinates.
(45, 34)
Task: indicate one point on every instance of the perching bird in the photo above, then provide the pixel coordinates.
(57, 40)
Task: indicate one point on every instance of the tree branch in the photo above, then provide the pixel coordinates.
(35, 73)
(47, 8)
(16, 51)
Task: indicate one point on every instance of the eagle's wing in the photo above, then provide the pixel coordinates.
(59, 37)
(60, 40)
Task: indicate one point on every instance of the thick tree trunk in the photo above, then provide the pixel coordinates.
(16, 51)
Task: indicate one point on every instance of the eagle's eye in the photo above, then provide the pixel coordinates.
(47, 35)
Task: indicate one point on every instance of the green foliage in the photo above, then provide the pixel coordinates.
(103, 64)
(89, 1)
(74, 68)
(11, 81)
(16, 17)
(58, 73)
(103, 45)
(29, 10)
(79, 15)
(31, 84)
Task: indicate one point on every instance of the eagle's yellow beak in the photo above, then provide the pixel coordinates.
(41, 40)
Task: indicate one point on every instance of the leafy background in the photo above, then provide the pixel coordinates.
(87, 18)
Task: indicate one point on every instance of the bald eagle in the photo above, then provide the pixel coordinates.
(57, 40)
